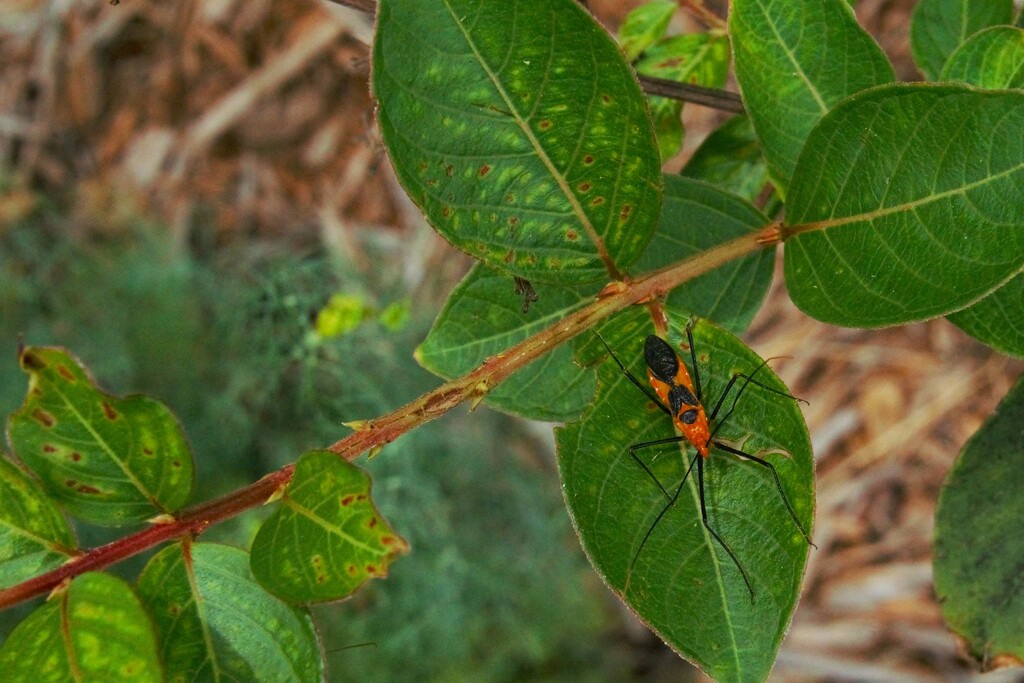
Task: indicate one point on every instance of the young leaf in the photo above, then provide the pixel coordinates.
(979, 540)
(216, 623)
(529, 149)
(939, 27)
(696, 58)
(794, 61)
(326, 538)
(484, 316)
(731, 159)
(908, 188)
(992, 59)
(96, 630)
(683, 584)
(644, 25)
(108, 460)
(695, 217)
(34, 536)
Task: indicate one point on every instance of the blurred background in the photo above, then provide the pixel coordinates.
(193, 199)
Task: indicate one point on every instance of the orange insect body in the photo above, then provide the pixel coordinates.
(671, 382)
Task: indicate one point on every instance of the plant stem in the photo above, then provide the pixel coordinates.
(383, 430)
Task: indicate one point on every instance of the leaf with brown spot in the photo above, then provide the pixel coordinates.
(108, 460)
(95, 630)
(542, 117)
(34, 536)
(326, 528)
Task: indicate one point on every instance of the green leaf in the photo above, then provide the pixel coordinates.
(794, 61)
(909, 187)
(939, 27)
(644, 25)
(731, 158)
(529, 149)
(979, 540)
(326, 538)
(483, 317)
(34, 536)
(216, 623)
(95, 631)
(695, 58)
(992, 59)
(108, 460)
(998, 319)
(683, 584)
(695, 217)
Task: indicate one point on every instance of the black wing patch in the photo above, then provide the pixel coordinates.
(661, 359)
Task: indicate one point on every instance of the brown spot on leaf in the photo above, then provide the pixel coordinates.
(446, 211)
(510, 199)
(32, 361)
(176, 464)
(49, 448)
(588, 159)
(571, 234)
(584, 186)
(597, 201)
(347, 500)
(388, 539)
(484, 170)
(63, 371)
(423, 167)
(70, 483)
(606, 98)
(85, 488)
(373, 570)
(449, 170)
(76, 456)
(671, 62)
(146, 450)
(371, 523)
(109, 412)
(509, 256)
(624, 213)
(351, 569)
(513, 221)
(43, 417)
(545, 124)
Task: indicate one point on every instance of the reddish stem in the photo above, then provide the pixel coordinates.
(385, 429)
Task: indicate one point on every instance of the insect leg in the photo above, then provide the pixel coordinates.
(778, 484)
(704, 516)
(668, 506)
(647, 392)
(637, 446)
(748, 380)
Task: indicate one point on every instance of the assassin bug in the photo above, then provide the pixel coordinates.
(682, 400)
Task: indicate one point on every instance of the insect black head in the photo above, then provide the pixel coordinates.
(661, 359)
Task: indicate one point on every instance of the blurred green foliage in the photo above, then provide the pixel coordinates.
(495, 588)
